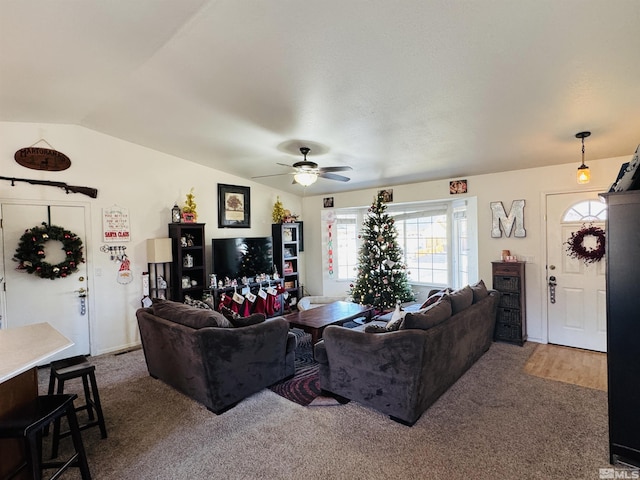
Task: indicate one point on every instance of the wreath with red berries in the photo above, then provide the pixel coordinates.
(31, 255)
(576, 248)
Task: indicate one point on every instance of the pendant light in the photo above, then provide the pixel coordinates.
(583, 175)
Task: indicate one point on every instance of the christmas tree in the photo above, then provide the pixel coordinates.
(382, 275)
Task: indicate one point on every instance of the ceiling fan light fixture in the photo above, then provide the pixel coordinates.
(583, 174)
(305, 178)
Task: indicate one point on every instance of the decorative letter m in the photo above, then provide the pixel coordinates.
(500, 218)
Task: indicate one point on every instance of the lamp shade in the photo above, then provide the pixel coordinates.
(305, 178)
(159, 250)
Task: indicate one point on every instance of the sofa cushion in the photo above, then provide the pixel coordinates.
(252, 319)
(430, 317)
(435, 298)
(479, 291)
(461, 299)
(187, 315)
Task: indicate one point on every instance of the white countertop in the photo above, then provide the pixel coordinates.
(22, 348)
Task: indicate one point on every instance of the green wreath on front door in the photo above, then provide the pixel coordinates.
(31, 255)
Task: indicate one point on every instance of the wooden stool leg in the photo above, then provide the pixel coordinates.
(98, 405)
(33, 448)
(56, 426)
(52, 385)
(77, 443)
(87, 396)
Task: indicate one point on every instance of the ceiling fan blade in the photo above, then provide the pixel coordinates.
(272, 175)
(343, 168)
(333, 176)
(284, 165)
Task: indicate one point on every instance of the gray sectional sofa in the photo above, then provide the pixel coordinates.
(207, 357)
(402, 372)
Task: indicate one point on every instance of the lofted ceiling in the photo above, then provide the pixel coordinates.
(402, 91)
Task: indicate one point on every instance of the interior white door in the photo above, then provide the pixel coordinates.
(30, 299)
(578, 316)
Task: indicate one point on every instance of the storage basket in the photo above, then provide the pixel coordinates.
(508, 315)
(505, 331)
(506, 284)
(510, 300)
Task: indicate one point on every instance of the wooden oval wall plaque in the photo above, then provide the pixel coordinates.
(42, 159)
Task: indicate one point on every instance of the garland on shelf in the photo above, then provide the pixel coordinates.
(30, 252)
(576, 248)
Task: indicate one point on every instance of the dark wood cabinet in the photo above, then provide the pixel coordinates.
(623, 326)
(188, 269)
(286, 256)
(511, 321)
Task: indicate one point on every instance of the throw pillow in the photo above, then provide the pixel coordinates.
(396, 321)
(461, 299)
(196, 303)
(431, 317)
(479, 291)
(187, 315)
(435, 298)
(373, 328)
(228, 313)
(252, 319)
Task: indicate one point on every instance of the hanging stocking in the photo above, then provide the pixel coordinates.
(270, 308)
(260, 305)
(237, 302)
(225, 301)
(124, 274)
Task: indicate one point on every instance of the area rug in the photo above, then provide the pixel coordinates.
(304, 387)
(569, 365)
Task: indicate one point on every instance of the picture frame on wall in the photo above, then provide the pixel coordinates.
(457, 186)
(234, 206)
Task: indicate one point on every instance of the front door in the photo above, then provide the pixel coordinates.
(577, 318)
(31, 299)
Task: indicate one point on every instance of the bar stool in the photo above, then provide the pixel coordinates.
(28, 422)
(67, 369)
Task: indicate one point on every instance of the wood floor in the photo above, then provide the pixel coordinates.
(570, 365)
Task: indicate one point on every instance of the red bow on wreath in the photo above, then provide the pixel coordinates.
(576, 248)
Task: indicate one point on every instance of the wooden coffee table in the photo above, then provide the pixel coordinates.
(314, 320)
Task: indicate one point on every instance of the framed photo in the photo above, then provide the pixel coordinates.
(457, 186)
(188, 218)
(387, 195)
(288, 252)
(234, 206)
(327, 202)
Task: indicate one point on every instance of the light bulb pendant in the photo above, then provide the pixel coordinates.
(583, 174)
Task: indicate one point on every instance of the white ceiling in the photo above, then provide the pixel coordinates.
(402, 91)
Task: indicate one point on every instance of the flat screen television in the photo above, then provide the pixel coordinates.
(242, 257)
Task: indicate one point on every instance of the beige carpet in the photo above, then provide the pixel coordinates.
(496, 422)
(569, 365)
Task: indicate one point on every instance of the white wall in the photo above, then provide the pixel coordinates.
(143, 180)
(531, 185)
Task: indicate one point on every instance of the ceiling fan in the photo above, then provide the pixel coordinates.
(307, 172)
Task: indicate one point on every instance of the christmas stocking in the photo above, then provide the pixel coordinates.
(260, 305)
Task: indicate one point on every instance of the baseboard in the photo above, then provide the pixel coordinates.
(121, 349)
